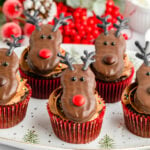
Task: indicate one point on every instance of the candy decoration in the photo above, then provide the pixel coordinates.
(47, 9)
(88, 59)
(9, 29)
(144, 55)
(66, 60)
(45, 53)
(61, 21)
(78, 100)
(33, 19)
(14, 44)
(12, 9)
(121, 26)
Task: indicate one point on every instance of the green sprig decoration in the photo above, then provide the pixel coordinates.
(31, 137)
(106, 142)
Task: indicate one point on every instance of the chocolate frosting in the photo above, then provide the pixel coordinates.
(44, 39)
(142, 95)
(8, 81)
(84, 85)
(110, 51)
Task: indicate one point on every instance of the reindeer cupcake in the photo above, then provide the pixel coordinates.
(112, 68)
(136, 97)
(76, 110)
(39, 62)
(14, 92)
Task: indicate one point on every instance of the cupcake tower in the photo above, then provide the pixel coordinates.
(76, 111)
(14, 92)
(135, 99)
(112, 68)
(39, 63)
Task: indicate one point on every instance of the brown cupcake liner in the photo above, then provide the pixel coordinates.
(41, 88)
(111, 91)
(11, 115)
(77, 133)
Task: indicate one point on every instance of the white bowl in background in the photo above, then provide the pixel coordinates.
(139, 16)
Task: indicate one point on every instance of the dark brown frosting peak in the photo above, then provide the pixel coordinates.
(109, 56)
(78, 82)
(44, 39)
(8, 81)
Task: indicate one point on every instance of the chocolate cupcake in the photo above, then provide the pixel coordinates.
(39, 62)
(14, 91)
(76, 110)
(112, 68)
(135, 98)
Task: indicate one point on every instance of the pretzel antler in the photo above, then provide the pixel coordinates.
(143, 55)
(33, 19)
(14, 44)
(61, 21)
(66, 60)
(121, 26)
(88, 59)
(105, 24)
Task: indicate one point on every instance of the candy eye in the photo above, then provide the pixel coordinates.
(73, 79)
(113, 43)
(82, 79)
(5, 64)
(43, 36)
(148, 73)
(105, 43)
(49, 37)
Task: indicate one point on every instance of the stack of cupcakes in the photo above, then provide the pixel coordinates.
(76, 110)
(39, 63)
(112, 68)
(136, 97)
(14, 91)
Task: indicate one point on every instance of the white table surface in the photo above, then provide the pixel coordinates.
(130, 46)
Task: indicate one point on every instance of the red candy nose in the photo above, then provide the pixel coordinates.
(45, 53)
(78, 100)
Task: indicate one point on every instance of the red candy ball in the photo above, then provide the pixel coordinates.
(12, 9)
(78, 100)
(45, 53)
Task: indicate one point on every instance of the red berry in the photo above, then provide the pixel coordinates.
(76, 14)
(28, 29)
(96, 33)
(45, 53)
(12, 9)
(82, 33)
(9, 29)
(77, 38)
(109, 3)
(66, 39)
(78, 100)
(125, 36)
(89, 29)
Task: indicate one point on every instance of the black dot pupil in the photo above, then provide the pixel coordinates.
(74, 79)
(43, 37)
(49, 37)
(82, 79)
(113, 43)
(5, 64)
(148, 73)
(105, 43)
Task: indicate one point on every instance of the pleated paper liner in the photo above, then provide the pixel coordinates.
(77, 133)
(11, 115)
(41, 88)
(111, 91)
(138, 124)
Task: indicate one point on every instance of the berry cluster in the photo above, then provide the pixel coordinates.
(83, 29)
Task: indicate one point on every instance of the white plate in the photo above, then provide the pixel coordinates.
(37, 122)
